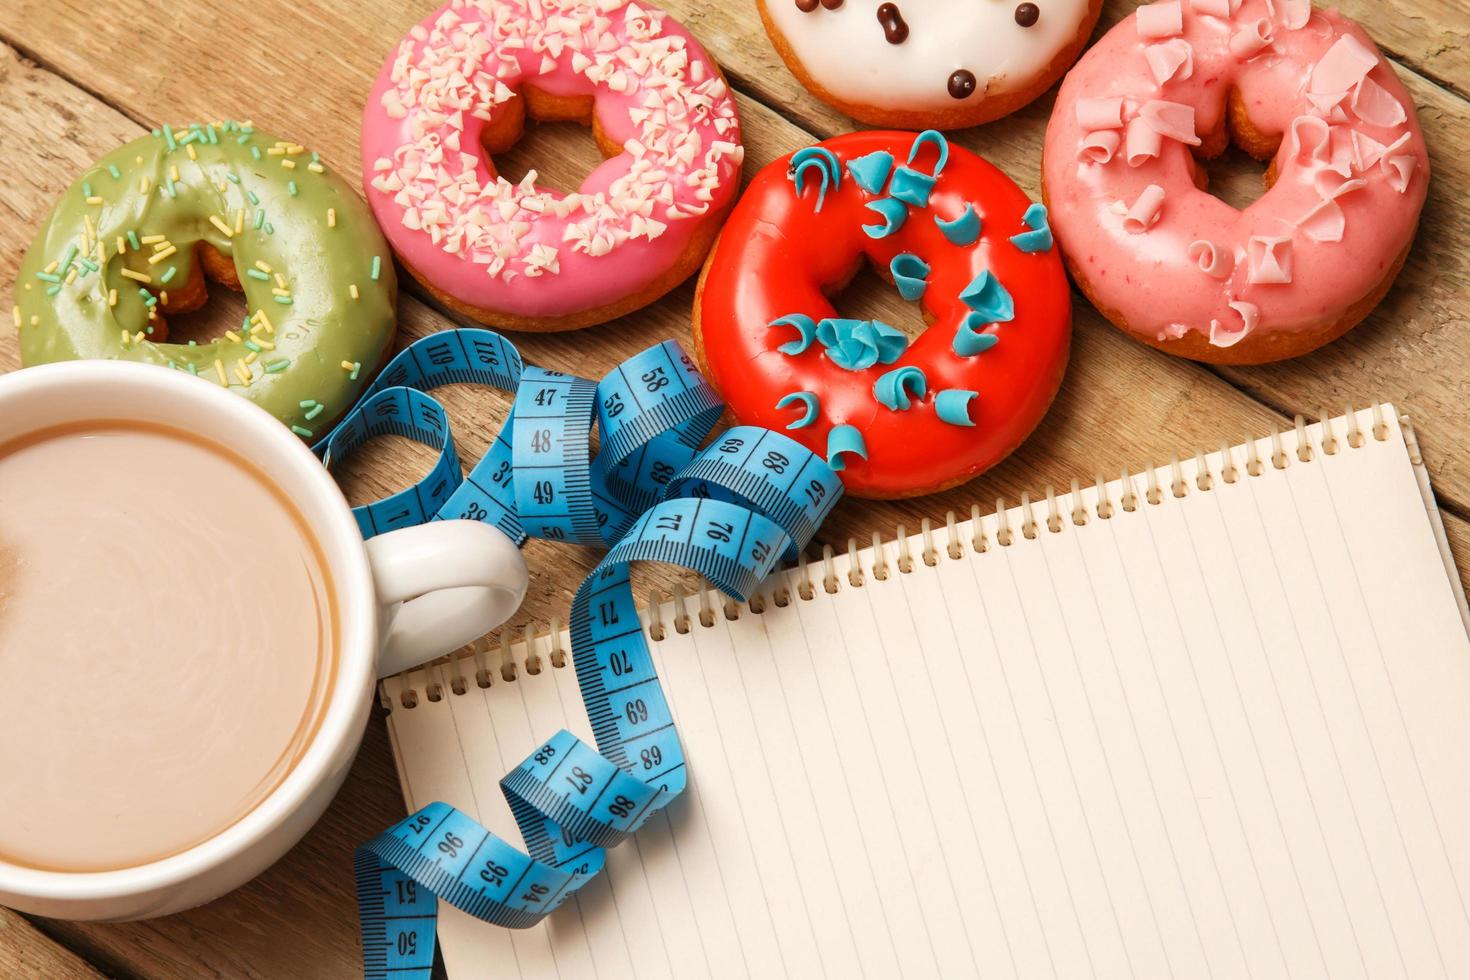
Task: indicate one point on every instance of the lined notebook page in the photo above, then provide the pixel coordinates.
(1227, 735)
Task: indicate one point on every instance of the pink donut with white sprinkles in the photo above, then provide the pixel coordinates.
(457, 90)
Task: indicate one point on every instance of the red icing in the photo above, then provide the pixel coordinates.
(777, 255)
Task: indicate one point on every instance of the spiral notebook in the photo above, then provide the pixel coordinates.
(1211, 720)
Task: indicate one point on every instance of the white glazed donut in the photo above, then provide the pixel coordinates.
(928, 64)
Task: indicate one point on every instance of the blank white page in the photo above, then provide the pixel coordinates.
(1224, 734)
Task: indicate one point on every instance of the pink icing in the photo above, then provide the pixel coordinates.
(517, 248)
(1352, 170)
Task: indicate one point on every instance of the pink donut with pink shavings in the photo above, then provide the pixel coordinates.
(1182, 270)
(457, 90)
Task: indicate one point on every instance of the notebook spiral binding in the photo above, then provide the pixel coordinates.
(489, 660)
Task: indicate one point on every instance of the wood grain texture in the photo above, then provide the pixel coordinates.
(301, 68)
(27, 953)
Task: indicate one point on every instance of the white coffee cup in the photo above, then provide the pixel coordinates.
(404, 597)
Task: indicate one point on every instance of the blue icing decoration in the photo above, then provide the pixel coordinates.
(940, 143)
(844, 439)
(824, 161)
(891, 342)
(911, 187)
(1038, 239)
(808, 401)
(855, 345)
(963, 231)
(910, 275)
(987, 297)
(894, 214)
(952, 405)
(894, 388)
(805, 327)
(871, 171)
(969, 341)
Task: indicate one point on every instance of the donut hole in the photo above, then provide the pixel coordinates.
(193, 311)
(1233, 165)
(869, 294)
(1234, 176)
(549, 135)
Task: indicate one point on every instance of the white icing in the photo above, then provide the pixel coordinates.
(845, 52)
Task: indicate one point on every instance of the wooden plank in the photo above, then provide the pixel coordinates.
(1121, 406)
(26, 952)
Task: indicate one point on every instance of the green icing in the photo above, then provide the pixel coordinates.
(282, 214)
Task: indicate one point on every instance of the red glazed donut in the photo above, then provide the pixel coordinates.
(899, 416)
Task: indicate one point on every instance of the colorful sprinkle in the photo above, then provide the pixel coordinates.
(938, 141)
(987, 297)
(303, 433)
(810, 405)
(805, 327)
(963, 231)
(168, 275)
(894, 214)
(822, 160)
(257, 274)
(968, 340)
(315, 411)
(910, 275)
(1039, 238)
(855, 345)
(894, 389)
(911, 187)
(219, 369)
(952, 405)
(377, 267)
(275, 367)
(842, 440)
(871, 172)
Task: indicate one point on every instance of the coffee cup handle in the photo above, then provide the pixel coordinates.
(441, 585)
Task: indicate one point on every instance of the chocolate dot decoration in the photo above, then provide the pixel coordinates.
(1027, 14)
(806, 6)
(962, 84)
(894, 29)
(831, 4)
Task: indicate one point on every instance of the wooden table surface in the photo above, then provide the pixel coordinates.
(77, 79)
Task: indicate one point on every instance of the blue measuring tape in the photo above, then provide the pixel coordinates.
(728, 512)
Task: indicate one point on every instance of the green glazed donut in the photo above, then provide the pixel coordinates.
(130, 242)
